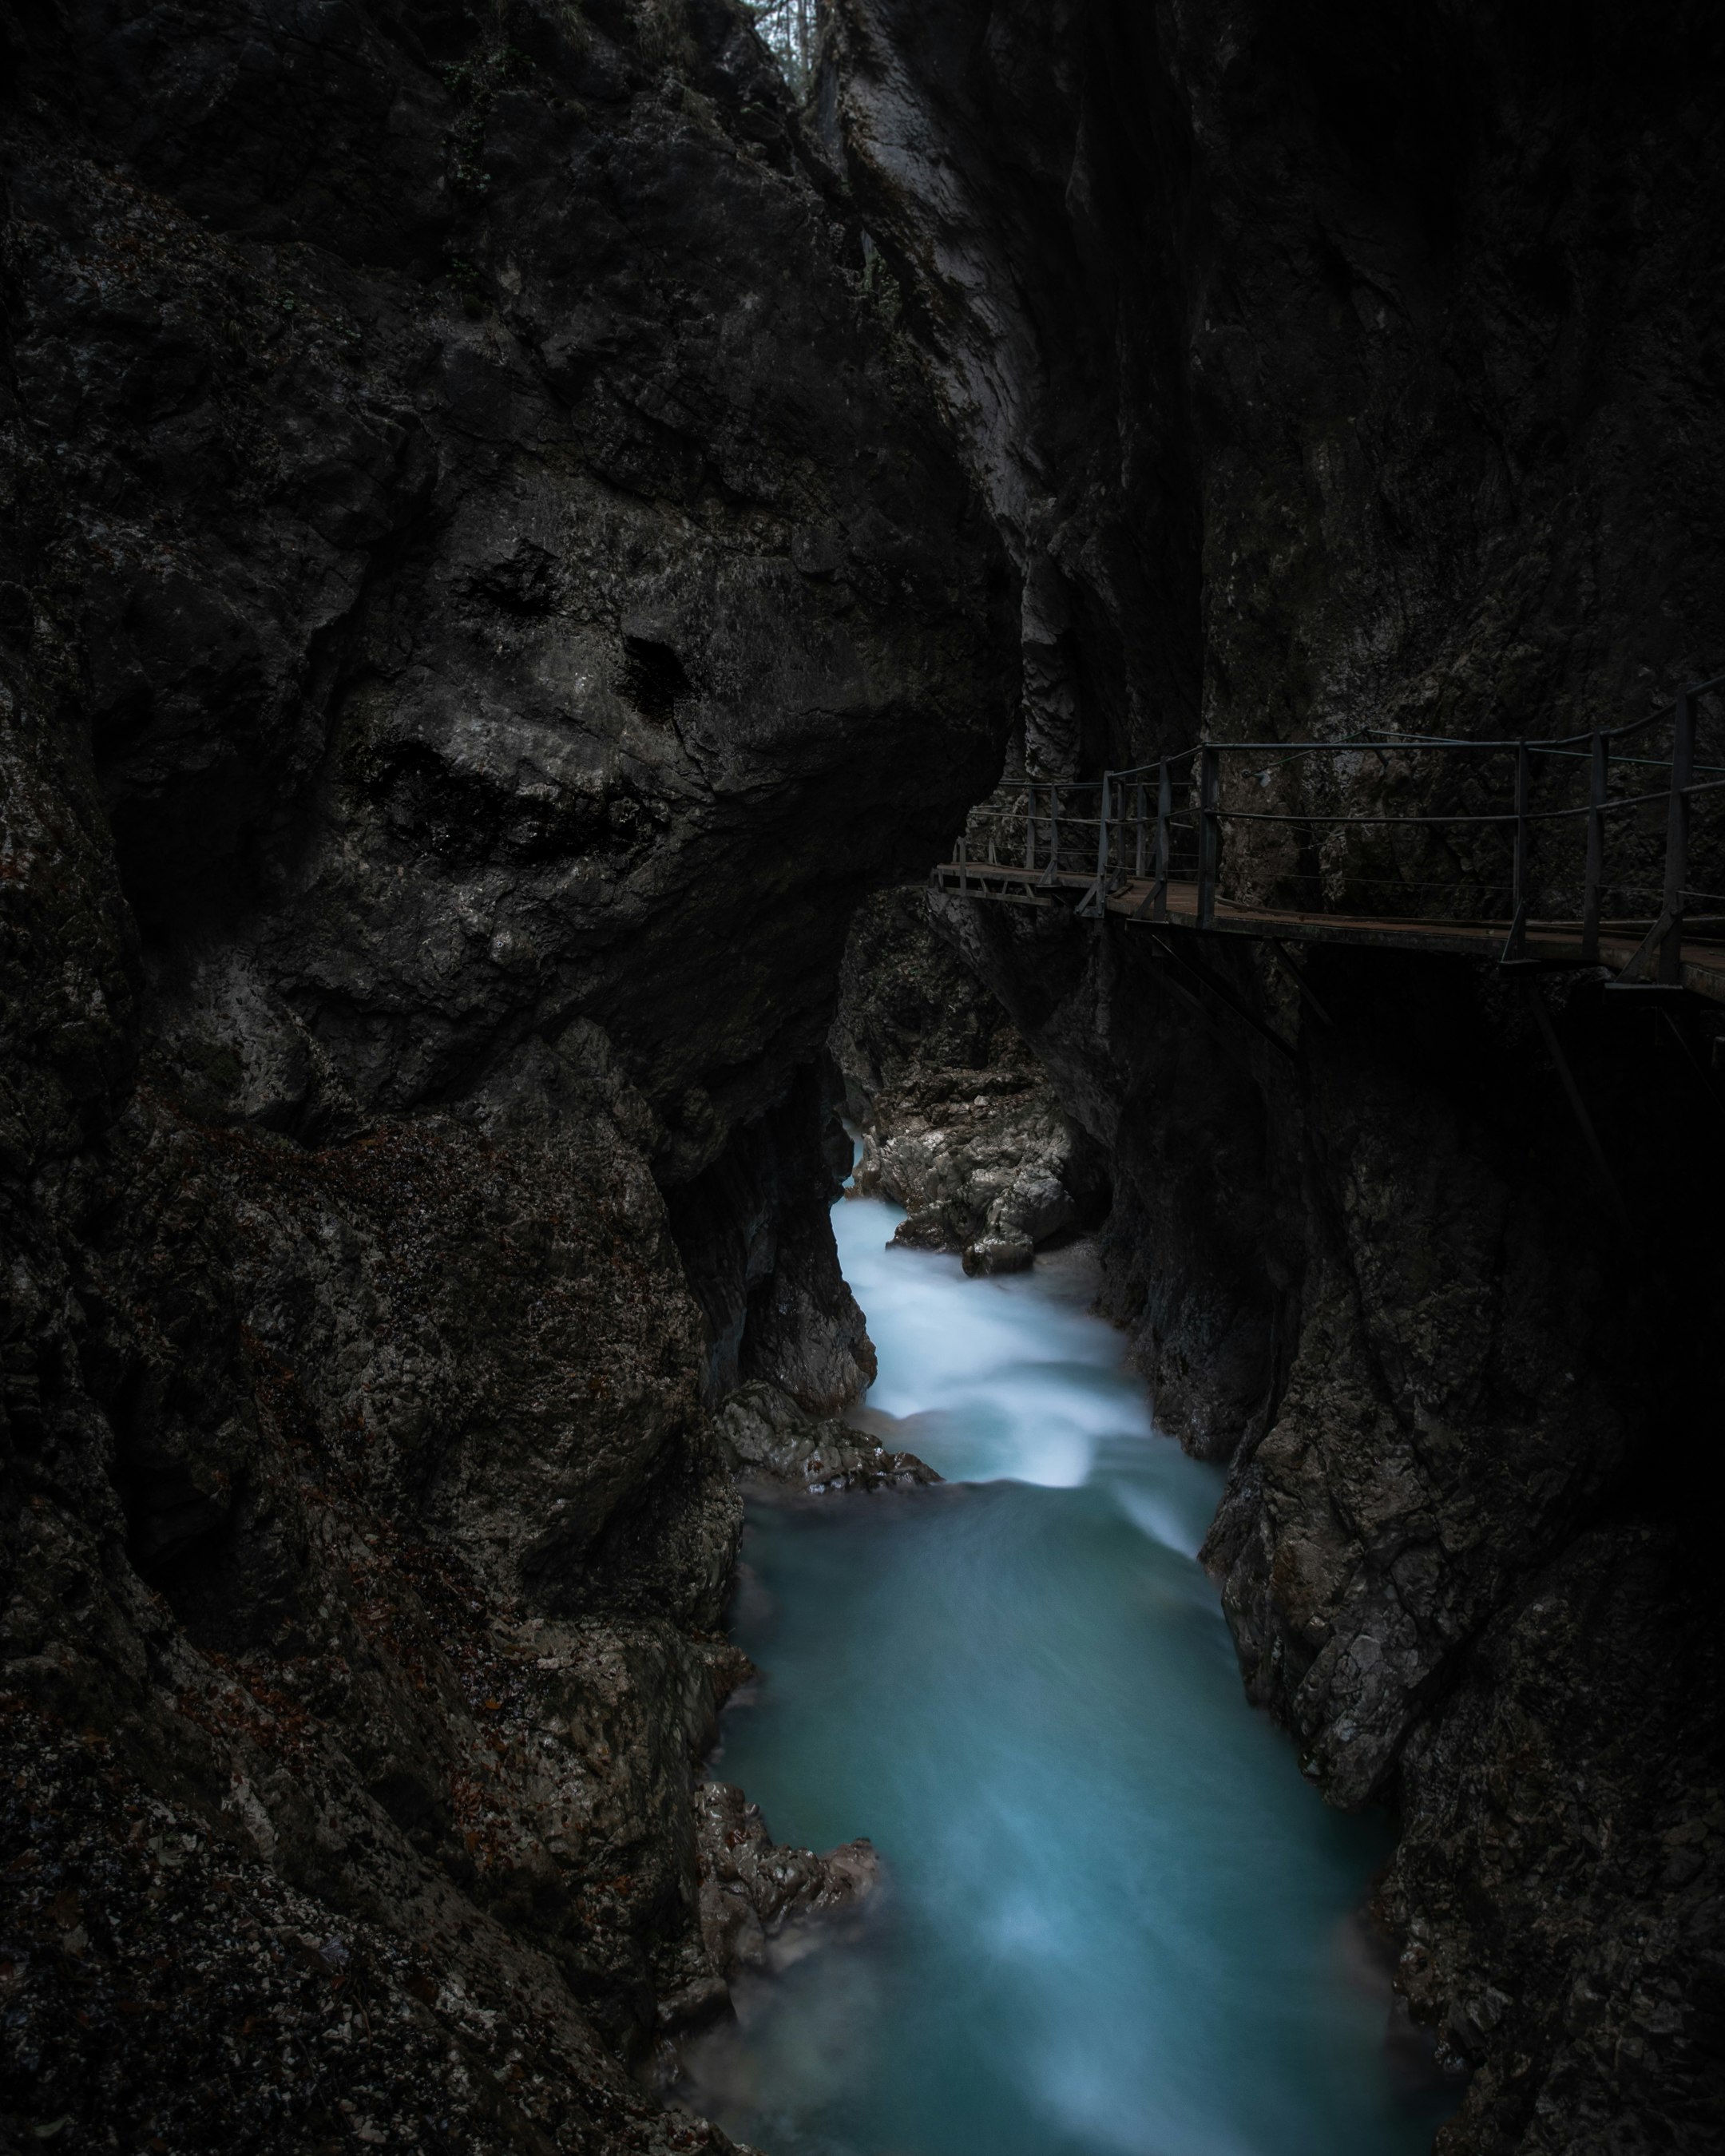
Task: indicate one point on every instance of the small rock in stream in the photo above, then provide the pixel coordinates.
(768, 1439)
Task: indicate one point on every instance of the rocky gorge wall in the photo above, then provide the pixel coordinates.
(1327, 367)
(483, 594)
(488, 587)
(1466, 1418)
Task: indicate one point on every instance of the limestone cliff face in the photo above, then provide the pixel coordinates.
(1325, 367)
(483, 593)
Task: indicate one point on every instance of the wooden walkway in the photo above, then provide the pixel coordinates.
(1544, 944)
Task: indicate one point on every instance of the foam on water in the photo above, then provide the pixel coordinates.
(1004, 1379)
(1118, 1919)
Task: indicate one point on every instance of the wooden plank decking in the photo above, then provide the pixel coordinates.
(1548, 943)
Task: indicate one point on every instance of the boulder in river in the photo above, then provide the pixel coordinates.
(769, 1439)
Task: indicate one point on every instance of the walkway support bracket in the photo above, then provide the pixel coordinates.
(1051, 874)
(1515, 949)
(1223, 994)
(1296, 974)
(1654, 941)
(1676, 838)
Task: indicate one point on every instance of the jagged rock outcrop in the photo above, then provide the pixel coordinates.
(757, 1246)
(773, 1443)
(985, 1162)
(960, 1125)
(1324, 370)
(483, 594)
(753, 1888)
(907, 1002)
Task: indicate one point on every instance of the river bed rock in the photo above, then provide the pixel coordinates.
(984, 1161)
(776, 1445)
(959, 1123)
(753, 1888)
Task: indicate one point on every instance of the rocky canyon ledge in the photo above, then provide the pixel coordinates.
(516, 526)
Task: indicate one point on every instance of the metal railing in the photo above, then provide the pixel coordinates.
(1526, 830)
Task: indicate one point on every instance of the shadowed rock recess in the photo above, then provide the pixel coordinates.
(1327, 367)
(484, 594)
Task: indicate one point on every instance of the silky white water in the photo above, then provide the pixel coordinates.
(1118, 1919)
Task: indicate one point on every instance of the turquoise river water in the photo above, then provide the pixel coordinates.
(1116, 1920)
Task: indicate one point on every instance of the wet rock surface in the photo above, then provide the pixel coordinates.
(479, 570)
(909, 1004)
(772, 1443)
(984, 1161)
(960, 1124)
(753, 1887)
(757, 1244)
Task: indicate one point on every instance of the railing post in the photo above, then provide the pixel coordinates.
(1676, 838)
(1209, 835)
(1102, 835)
(1165, 815)
(964, 887)
(1521, 877)
(1030, 825)
(1138, 828)
(1593, 893)
(1051, 874)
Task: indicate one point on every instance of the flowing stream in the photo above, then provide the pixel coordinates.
(1117, 1918)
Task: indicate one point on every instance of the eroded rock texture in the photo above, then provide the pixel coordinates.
(960, 1124)
(775, 1445)
(483, 594)
(1327, 368)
